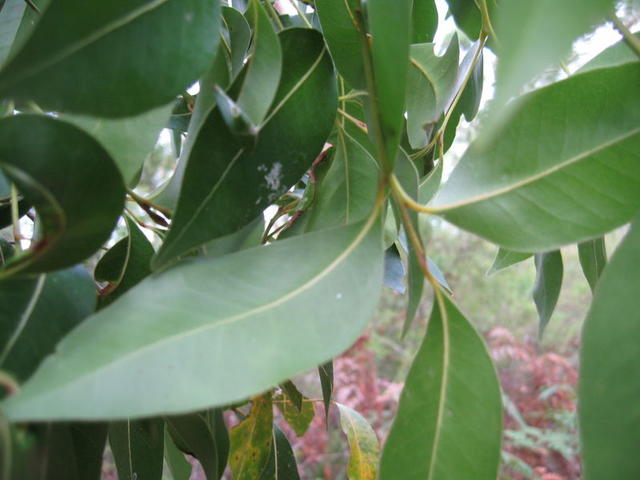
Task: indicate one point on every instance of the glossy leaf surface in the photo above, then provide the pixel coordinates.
(449, 419)
(363, 445)
(135, 43)
(547, 179)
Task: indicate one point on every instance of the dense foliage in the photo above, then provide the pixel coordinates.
(311, 143)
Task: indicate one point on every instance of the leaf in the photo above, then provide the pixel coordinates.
(363, 443)
(546, 291)
(449, 419)
(467, 16)
(251, 441)
(129, 141)
(298, 419)
(138, 448)
(37, 312)
(343, 33)
(430, 84)
(593, 258)
(239, 37)
(178, 465)
(325, 371)
(609, 385)
(425, 21)
(77, 211)
(215, 309)
(429, 186)
(293, 394)
(135, 42)
(10, 18)
(261, 79)
(506, 258)
(618, 54)
(193, 435)
(289, 140)
(390, 26)
(282, 462)
(394, 270)
(545, 181)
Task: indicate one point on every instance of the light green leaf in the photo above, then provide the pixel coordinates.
(425, 21)
(593, 258)
(506, 258)
(138, 448)
(430, 184)
(430, 84)
(129, 141)
(289, 139)
(37, 312)
(214, 309)
(394, 270)
(178, 465)
(113, 58)
(565, 169)
(449, 419)
(609, 385)
(10, 18)
(73, 184)
(251, 441)
(363, 443)
(298, 419)
(546, 291)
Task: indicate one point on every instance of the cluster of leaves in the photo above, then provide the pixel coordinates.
(338, 118)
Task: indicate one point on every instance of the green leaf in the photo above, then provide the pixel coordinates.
(113, 58)
(293, 394)
(449, 419)
(37, 312)
(390, 26)
(343, 33)
(298, 418)
(178, 465)
(609, 385)
(261, 79)
(289, 139)
(10, 19)
(430, 184)
(236, 120)
(467, 16)
(129, 141)
(618, 54)
(430, 84)
(73, 184)
(251, 441)
(506, 258)
(546, 291)
(547, 179)
(363, 443)
(394, 270)
(425, 21)
(238, 37)
(593, 258)
(282, 462)
(138, 448)
(325, 372)
(214, 309)
(192, 434)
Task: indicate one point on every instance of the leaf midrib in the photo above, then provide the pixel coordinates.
(538, 176)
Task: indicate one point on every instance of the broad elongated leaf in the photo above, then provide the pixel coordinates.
(546, 291)
(282, 461)
(37, 312)
(430, 83)
(593, 258)
(325, 372)
(238, 37)
(363, 443)
(178, 465)
(70, 179)
(425, 21)
(188, 321)
(138, 448)
(449, 418)
(298, 418)
(506, 258)
(342, 30)
(390, 26)
(547, 179)
(609, 375)
(113, 58)
(129, 141)
(293, 134)
(10, 18)
(467, 17)
(193, 435)
(251, 441)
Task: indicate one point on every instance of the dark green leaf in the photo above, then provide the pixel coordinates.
(192, 434)
(609, 375)
(293, 394)
(549, 271)
(467, 16)
(506, 258)
(178, 465)
(593, 258)
(37, 312)
(282, 462)
(237, 121)
(547, 179)
(363, 443)
(70, 179)
(449, 419)
(138, 448)
(425, 21)
(325, 371)
(205, 307)
(238, 37)
(290, 138)
(113, 58)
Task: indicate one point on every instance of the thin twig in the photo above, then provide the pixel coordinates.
(629, 38)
